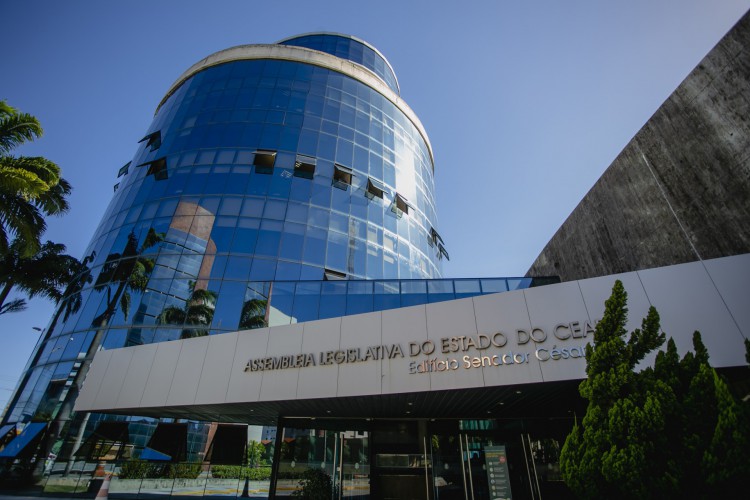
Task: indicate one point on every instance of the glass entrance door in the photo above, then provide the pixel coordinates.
(486, 468)
(401, 460)
(350, 468)
(324, 461)
(418, 460)
(474, 460)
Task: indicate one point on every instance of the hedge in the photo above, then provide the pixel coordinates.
(138, 469)
(239, 472)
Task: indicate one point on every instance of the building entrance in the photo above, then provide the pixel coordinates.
(419, 459)
(331, 458)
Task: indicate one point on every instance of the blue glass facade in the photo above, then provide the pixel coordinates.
(252, 172)
(351, 49)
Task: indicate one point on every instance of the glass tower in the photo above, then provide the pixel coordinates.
(269, 172)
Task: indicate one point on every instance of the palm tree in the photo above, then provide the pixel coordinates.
(71, 304)
(198, 310)
(123, 273)
(47, 273)
(253, 314)
(30, 187)
(72, 294)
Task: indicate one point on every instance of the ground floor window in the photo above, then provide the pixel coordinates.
(353, 459)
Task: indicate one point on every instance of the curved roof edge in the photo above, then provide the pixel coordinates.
(352, 37)
(307, 56)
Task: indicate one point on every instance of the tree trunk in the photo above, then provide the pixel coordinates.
(66, 409)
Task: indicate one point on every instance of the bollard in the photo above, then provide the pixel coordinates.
(103, 492)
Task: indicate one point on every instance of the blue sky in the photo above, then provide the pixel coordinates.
(526, 102)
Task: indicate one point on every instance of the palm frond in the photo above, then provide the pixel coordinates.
(171, 315)
(17, 128)
(54, 201)
(23, 220)
(16, 180)
(152, 238)
(47, 273)
(125, 305)
(15, 305)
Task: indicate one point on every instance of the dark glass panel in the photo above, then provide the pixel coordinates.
(229, 305)
(358, 257)
(494, 286)
(263, 270)
(390, 265)
(315, 246)
(245, 236)
(223, 232)
(306, 301)
(518, 284)
(337, 252)
(253, 207)
(228, 445)
(292, 241)
(282, 300)
(288, 271)
(238, 268)
(386, 295)
(269, 238)
(332, 299)
(413, 292)
(360, 297)
(258, 184)
(440, 290)
(114, 340)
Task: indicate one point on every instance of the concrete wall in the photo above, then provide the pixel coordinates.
(680, 190)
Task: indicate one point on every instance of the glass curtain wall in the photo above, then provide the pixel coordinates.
(351, 49)
(252, 171)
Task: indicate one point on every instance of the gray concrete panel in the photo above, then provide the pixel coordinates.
(687, 301)
(135, 380)
(401, 326)
(361, 378)
(161, 374)
(92, 383)
(320, 381)
(732, 278)
(454, 318)
(594, 289)
(278, 385)
(245, 386)
(217, 369)
(188, 371)
(505, 313)
(113, 382)
(549, 308)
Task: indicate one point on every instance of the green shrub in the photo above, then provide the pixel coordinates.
(136, 469)
(226, 471)
(315, 485)
(184, 471)
(140, 469)
(239, 472)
